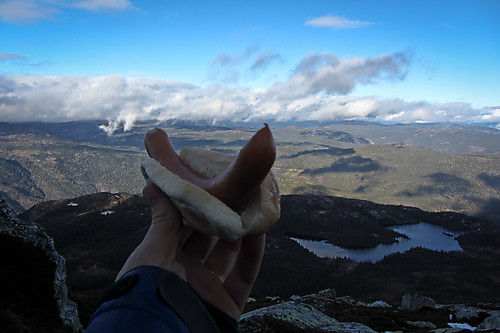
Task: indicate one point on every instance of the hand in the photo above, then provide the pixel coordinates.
(221, 272)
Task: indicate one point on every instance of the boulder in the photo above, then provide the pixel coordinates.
(380, 304)
(328, 293)
(251, 300)
(416, 302)
(362, 304)
(32, 278)
(491, 323)
(322, 295)
(466, 312)
(347, 299)
(420, 324)
(295, 316)
(458, 327)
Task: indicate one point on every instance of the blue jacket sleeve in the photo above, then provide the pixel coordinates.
(151, 299)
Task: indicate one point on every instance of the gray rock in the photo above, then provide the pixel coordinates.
(347, 299)
(490, 323)
(295, 316)
(416, 302)
(251, 300)
(325, 294)
(35, 235)
(466, 312)
(380, 304)
(460, 327)
(448, 330)
(328, 293)
(347, 327)
(420, 324)
(362, 304)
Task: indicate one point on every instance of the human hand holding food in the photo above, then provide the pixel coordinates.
(219, 194)
(221, 271)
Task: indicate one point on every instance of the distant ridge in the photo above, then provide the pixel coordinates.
(435, 167)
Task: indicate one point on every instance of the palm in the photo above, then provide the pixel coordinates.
(222, 272)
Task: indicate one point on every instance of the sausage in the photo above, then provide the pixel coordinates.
(233, 186)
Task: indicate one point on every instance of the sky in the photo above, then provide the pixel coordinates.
(125, 61)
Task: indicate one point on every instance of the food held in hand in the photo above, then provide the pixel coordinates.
(224, 195)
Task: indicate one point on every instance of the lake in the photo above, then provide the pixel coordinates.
(423, 234)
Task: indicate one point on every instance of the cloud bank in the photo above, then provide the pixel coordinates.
(327, 73)
(316, 90)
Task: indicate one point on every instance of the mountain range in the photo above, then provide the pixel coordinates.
(435, 167)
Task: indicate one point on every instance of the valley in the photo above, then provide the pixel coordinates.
(383, 164)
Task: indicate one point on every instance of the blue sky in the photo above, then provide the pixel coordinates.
(405, 61)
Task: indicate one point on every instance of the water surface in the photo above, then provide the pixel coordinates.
(423, 234)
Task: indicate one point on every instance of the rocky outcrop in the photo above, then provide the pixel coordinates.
(491, 323)
(296, 317)
(32, 277)
(324, 312)
(462, 312)
(416, 302)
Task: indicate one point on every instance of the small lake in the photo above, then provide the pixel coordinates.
(423, 234)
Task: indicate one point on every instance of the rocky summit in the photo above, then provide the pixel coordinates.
(325, 312)
(34, 296)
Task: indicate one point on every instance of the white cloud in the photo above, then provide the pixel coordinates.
(98, 5)
(228, 69)
(11, 56)
(328, 73)
(25, 11)
(264, 59)
(336, 22)
(32, 11)
(316, 90)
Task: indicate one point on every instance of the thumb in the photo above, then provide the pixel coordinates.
(162, 208)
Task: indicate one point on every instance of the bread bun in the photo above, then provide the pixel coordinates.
(206, 213)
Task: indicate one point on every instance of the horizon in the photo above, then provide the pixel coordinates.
(127, 61)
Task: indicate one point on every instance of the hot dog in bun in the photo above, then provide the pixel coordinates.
(223, 195)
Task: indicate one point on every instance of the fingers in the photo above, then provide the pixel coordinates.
(240, 280)
(162, 208)
(207, 278)
(167, 229)
(209, 287)
(222, 258)
(199, 245)
(218, 256)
